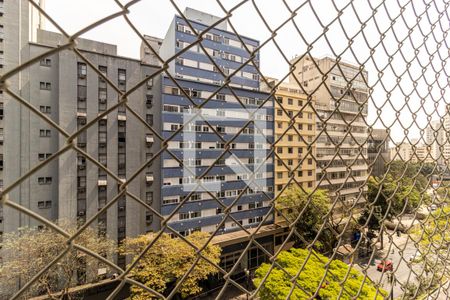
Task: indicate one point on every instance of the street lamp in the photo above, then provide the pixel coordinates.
(247, 274)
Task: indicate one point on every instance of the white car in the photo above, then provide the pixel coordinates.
(433, 207)
(415, 257)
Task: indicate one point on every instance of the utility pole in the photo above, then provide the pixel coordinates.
(391, 279)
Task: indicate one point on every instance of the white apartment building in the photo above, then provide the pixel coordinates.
(341, 100)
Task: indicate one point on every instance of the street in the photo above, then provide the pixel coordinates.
(402, 267)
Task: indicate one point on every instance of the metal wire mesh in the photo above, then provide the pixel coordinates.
(400, 52)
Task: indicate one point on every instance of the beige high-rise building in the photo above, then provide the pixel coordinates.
(294, 163)
(341, 150)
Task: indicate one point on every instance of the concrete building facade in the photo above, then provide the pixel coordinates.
(70, 93)
(342, 109)
(18, 24)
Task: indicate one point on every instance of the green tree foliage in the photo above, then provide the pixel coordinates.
(443, 194)
(435, 232)
(168, 260)
(408, 171)
(314, 206)
(278, 283)
(29, 250)
(402, 188)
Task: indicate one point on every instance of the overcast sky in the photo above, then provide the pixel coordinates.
(393, 89)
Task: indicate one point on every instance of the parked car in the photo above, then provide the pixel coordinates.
(433, 207)
(385, 265)
(415, 257)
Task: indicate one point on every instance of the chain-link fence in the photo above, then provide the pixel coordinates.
(335, 212)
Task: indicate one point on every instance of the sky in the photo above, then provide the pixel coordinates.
(404, 56)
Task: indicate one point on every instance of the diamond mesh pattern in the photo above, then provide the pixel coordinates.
(400, 49)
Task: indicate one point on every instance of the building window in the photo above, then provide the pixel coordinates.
(43, 156)
(44, 180)
(45, 109)
(149, 198)
(44, 204)
(150, 84)
(45, 86)
(82, 70)
(220, 97)
(149, 119)
(122, 76)
(45, 133)
(189, 215)
(46, 62)
(102, 95)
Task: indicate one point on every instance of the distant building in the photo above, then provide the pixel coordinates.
(378, 151)
(403, 151)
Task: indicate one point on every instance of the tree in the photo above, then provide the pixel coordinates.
(391, 196)
(315, 205)
(399, 169)
(168, 260)
(434, 234)
(29, 250)
(278, 283)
